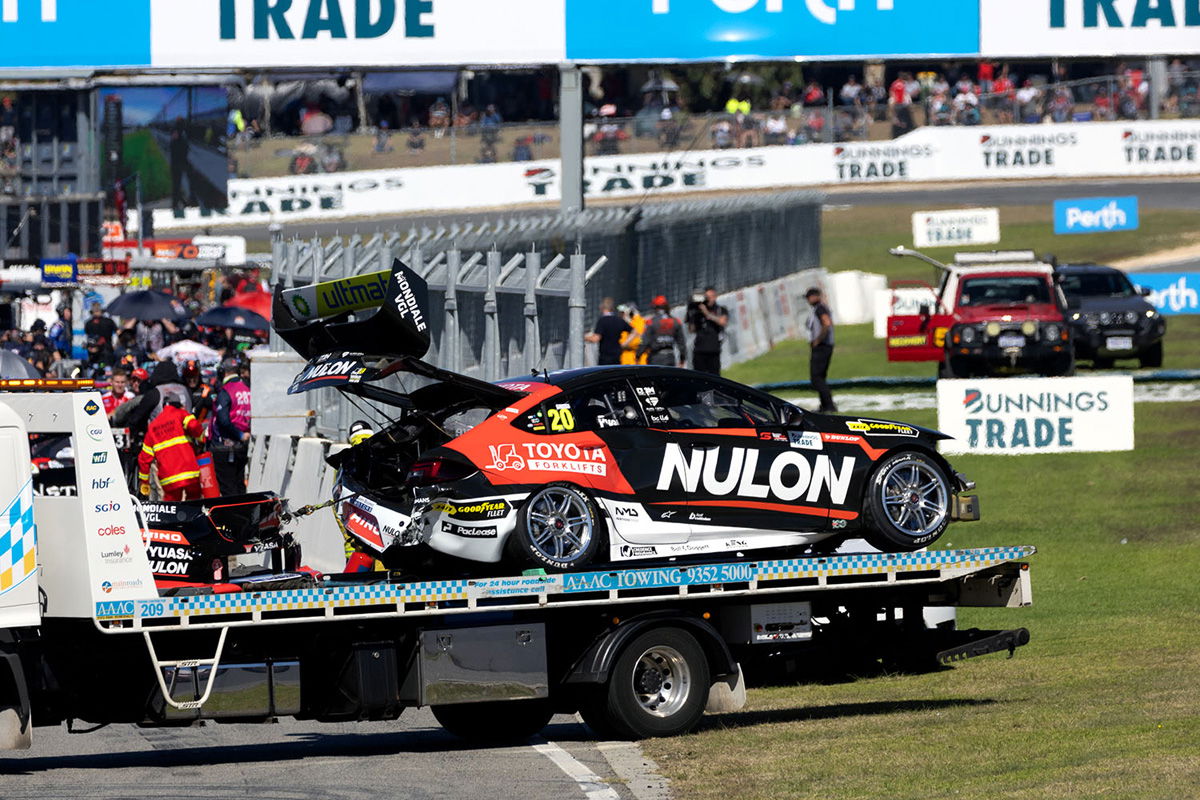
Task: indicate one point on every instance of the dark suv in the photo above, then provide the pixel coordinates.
(1110, 316)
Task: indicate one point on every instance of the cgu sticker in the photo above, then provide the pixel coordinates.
(791, 474)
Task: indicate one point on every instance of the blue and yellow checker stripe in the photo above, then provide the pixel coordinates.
(18, 540)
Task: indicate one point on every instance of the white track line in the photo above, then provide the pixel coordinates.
(593, 786)
(638, 772)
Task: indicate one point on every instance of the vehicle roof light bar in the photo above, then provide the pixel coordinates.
(997, 257)
(43, 384)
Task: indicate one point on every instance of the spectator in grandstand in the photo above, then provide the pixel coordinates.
(439, 117)
(607, 334)
(416, 137)
(1029, 105)
(746, 126)
(722, 135)
(707, 320)
(875, 98)
(663, 342)
(491, 117)
(1003, 94)
(1060, 108)
(814, 124)
(940, 110)
(775, 130)
(900, 103)
(986, 75)
(966, 107)
(383, 136)
(820, 341)
(814, 95)
(851, 93)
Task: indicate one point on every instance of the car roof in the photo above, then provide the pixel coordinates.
(1080, 269)
(567, 379)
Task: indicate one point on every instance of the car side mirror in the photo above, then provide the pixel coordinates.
(1145, 291)
(793, 418)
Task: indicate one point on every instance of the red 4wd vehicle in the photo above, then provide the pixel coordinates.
(993, 312)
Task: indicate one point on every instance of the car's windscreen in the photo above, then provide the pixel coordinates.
(1004, 290)
(1097, 284)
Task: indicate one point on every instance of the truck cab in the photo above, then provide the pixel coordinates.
(991, 313)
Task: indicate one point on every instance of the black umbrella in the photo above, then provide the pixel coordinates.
(146, 304)
(233, 317)
(12, 366)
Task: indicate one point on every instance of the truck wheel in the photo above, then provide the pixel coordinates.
(1152, 356)
(1102, 363)
(658, 686)
(499, 721)
(12, 735)
(559, 527)
(908, 503)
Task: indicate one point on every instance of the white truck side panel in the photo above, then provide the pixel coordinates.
(18, 533)
(99, 523)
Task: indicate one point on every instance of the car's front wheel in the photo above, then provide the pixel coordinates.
(908, 503)
(559, 527)
(1152, 356)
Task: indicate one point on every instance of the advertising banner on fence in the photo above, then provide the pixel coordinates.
(1089, 27)
(1096, 215)
(959, 227)
(1017, 416)
(662, 30)
(1076, 150)
(1171, 292)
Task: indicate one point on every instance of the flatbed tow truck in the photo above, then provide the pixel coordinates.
(86, 638)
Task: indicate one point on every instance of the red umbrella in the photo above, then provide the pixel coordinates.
(258, 302)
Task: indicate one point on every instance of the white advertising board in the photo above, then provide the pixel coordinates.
(961, 227)
(1089, 27)
(334, 33)
(1073, 150)
(1017, 416)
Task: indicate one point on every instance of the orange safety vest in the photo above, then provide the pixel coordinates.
(631, 340)
(167, 443)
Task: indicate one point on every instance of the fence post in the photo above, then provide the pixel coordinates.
(417, 260)
(533, 334)
(491, 319)
(575, 306)
(450, 352)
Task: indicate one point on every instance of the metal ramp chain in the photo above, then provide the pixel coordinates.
(190, 663)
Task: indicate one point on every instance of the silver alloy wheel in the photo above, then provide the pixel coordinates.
(662, 681)
(915, 497)
(559, 524)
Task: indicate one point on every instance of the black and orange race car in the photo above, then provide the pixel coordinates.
(603, 464)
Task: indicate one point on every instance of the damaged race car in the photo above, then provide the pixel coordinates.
(598, 465)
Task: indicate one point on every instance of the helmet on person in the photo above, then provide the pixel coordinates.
(660, 301)
(140, 374)
(191, 371)
(360, 431)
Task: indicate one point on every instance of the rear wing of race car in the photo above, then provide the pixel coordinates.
(361, 329)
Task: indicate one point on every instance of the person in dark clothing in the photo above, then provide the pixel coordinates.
(163, 385)
(663, 338)
(230, 432)
(707, 321)
(609, 329)
(820, 339)
(101, 333)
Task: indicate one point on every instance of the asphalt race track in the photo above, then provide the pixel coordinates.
(1174, 193)
(409, 758)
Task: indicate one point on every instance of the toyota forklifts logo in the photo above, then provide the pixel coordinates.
(504, 456)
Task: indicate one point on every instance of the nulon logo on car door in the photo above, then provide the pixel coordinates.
(723, 472)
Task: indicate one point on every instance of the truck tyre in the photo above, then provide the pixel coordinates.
(498, 721)
(14, 736)
(908, 503)
(1152, 356)
(1102, 363)
(560, 528)
(658, 686)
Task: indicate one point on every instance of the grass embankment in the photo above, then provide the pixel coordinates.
(143, 156)
(1103, 702)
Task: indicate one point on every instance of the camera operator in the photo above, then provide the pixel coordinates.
(707, 321)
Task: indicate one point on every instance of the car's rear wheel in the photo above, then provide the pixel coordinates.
(658, 686)
(1152, 356)
(560, 527)
(908, 503)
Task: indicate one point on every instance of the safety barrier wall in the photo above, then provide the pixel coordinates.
(998, 152)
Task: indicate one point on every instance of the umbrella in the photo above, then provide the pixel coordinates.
(258, 302)
(187, 350)
(660, 85)
(13, 366)
(146, 304)
(233, 317)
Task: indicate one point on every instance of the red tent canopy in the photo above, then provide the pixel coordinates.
(258, 302)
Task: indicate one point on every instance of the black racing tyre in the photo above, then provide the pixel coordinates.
(496, 721)
(1152, 356)
(560, 528)
(908, 503)
(658, 686)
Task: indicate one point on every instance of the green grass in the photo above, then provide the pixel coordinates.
(859, 238)
(859, 354)
(143, 156)
(1105, 700)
